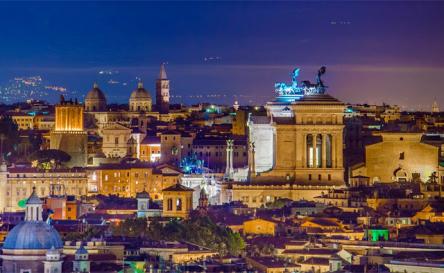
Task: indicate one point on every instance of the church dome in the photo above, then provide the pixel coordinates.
(95, 100)
(140, 100)
(95, 93)
(33, 235)
(140, 93)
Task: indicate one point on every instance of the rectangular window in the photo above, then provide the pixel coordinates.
(170, 204)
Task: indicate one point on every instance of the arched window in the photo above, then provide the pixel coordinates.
(318, 151)
(328, 152)
(310, 151)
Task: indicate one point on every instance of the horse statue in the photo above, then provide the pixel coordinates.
(318, 87)
(284, 89)
(321, 72)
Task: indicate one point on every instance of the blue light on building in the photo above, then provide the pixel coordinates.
(292, 92)
(192, 165)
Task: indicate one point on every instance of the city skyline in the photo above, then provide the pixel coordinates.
(372, 54)
(221, 136)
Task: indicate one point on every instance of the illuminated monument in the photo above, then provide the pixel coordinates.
(69, 134)
(298, 145)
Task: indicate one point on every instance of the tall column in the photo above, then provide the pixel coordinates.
(333, 151)
(66, 118)
(339, 152)
(229, 167)
(315, 151)
(251, 160)
(324, 151)
(304, 152)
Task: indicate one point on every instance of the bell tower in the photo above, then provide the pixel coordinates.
(81, 261)
(163, 91)
(53, 262)
(34, 208)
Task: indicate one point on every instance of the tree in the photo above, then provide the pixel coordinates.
(87, 235)
(9, 136)
(131, 228)
(279, 203)
(36, 140)
(49, 159)
(197, 230)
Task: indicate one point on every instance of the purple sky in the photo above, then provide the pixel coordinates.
(374, 51)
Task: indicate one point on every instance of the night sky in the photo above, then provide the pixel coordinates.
(374, 51)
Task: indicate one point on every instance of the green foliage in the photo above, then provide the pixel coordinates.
(131, 228)
(10, 136)
(262, 249)
(90, 233)
(49, 159)
(197, 230)
(36, 141)
(279, 203)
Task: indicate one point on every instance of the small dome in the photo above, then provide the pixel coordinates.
(95, 94)
(33, 235)
(140, 93)
(34, 199)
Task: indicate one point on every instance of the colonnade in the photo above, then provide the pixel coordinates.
(322, 150)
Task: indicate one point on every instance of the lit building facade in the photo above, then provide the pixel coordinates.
(213, 152)
(17, 184)
(126, 180)
(399, 157)
(68, 134)
(297, 149)
(150, 150)
(301, 139)
(177, 201)
(174, 146)
(115, 140)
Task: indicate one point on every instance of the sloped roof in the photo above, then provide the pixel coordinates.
(178, 187)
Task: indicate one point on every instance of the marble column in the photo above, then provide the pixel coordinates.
(304, 152)
(333, 151)
(339, 151)
(315, 151)
(324, 151)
